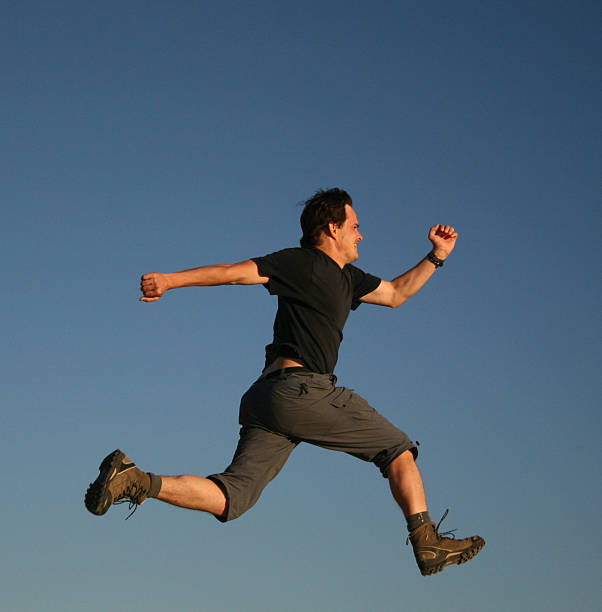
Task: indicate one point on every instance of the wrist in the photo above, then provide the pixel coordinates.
(440, 254)
(169, 281)
(435, 259)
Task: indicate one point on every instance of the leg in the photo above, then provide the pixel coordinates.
(354, 427)
(433, 551)
(406, 484)
(318, 412)
(259, 457)
(194, 493)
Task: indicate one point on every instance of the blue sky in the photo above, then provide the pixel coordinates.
(140, 137)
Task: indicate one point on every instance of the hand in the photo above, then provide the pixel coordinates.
(153, 286)
(444, 239)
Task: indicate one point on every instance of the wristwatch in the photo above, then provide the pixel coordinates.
(434, 259)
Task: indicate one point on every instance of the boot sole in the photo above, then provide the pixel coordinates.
(467, 555)
(97, 494)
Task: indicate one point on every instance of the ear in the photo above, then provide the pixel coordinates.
(332, 229)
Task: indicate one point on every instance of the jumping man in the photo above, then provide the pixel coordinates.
(296, 398)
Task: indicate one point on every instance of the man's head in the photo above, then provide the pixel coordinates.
(330, 224)
(326, 206)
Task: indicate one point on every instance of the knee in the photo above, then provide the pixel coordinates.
(407, 457)
(402, 462)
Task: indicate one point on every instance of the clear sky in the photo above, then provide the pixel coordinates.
(143, 136)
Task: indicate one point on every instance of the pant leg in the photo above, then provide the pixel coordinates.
(351, 425)
(309, 407)
(259, 457)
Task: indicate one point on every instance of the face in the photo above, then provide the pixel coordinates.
(348, 236)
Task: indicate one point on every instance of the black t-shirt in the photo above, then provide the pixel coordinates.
(314, 300)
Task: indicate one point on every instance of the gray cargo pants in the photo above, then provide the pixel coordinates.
(296, 405)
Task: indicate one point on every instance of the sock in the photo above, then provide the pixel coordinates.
(155, 485)
(416, 520)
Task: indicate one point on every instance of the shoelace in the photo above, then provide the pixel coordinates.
(445, 533)
(132, 495)
(441, 535)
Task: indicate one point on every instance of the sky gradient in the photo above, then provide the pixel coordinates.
(140, 137)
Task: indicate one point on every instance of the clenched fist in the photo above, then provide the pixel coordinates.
(153, 286)
(444, 239)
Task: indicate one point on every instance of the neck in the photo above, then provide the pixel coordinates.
(332, 253)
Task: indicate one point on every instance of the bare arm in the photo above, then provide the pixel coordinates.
(154, 285)
(399, 290)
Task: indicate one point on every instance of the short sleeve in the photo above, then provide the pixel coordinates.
(363, 284)
(287, 271)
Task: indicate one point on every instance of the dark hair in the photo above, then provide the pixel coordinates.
(324, 207)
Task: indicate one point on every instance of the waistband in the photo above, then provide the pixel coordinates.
(290, 370)
(298, 370)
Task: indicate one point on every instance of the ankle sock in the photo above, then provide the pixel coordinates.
(416, 520)
(155, 485)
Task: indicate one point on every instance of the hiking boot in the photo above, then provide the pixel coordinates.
(119, 481)
(434, 551)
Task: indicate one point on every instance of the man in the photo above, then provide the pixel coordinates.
(296, 398)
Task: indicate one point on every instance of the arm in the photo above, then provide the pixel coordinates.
(154, 285)
(399, 290)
